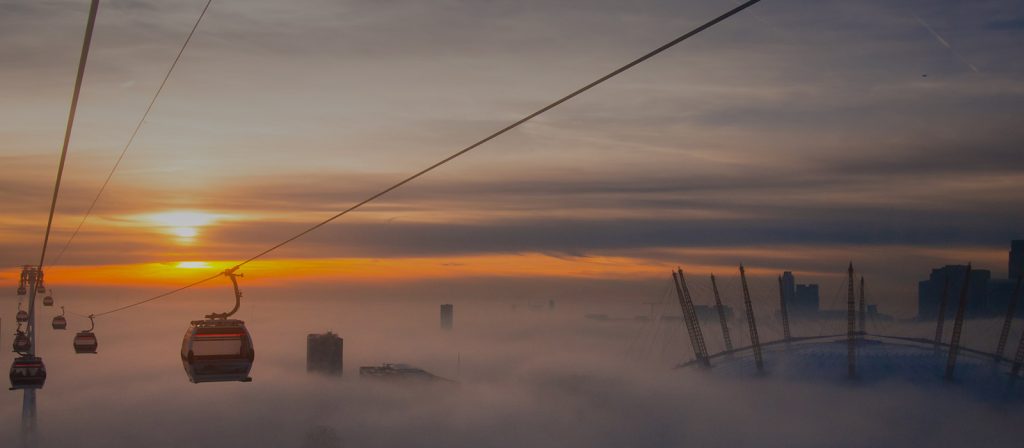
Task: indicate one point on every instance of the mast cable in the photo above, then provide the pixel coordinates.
(465, 150)
(71, 123)
(135, 132)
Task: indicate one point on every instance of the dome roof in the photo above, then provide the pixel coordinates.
(879, 359)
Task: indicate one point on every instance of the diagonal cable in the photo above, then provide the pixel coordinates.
(86, 41)
(467, 149)
(135, 132)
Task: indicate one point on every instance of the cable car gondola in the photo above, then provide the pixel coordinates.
(21, 317)
(22, 290)
(28, 372)
(22, 344)
(217, 348)
(48, 300)
(60, 322)
(85, 340)
(40, 288)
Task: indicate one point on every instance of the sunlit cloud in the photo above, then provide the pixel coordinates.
(184, 225)
(193, 265)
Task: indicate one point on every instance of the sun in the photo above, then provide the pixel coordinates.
(193, 265)
(183, 224)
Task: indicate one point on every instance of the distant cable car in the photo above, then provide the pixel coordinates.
(85, 341)
(21, 317)
(48, 300)
(21, 290)
(28, 372)
(60, 322)
(218, 348)
(22, 344)
(40, 289)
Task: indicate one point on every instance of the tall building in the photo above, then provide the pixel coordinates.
(806, 301)
(929, 293)
(788, 287)
(324, 353)
(447, 316)
(987, 296)
(1016, 264)
(801, 300)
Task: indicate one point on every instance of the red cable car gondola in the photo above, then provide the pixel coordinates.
(48, 300)
(21, 317)
(85, 341)
(22, 344)
(27, 372)
(60, 322)
(218, 348)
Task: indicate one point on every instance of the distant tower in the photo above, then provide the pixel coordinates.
(851, 328)
(784, 309)
(447, 316)
(325, 353)
(1016, 265)
(862, 325)
(788, 287)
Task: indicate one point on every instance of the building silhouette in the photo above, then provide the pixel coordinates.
(325, 353)
(1015, 267)
(802, 301)
(986, 296)
(447, 316)
(930, 291)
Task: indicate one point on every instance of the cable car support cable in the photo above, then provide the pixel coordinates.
(463, 151)
(135, 132)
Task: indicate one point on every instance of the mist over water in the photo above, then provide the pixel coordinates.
(527, 376)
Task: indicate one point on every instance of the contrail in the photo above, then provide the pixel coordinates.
(946, 44)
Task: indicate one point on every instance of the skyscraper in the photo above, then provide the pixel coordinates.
(807, 301)
(801, 300)
(929, 292)
(1016, 265)
(447, 316)
(788, 287)
(324, 353)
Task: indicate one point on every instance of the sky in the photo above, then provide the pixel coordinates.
(795, 136)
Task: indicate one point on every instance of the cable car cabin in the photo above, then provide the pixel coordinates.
(217, 350)
(85, 342)
(21, 343)
(40, 289)
(28, 372)
(22, 316)
(22, 291)
(48, 301)
(60, 323)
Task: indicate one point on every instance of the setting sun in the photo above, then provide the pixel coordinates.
(184, 224)
(193, 265)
